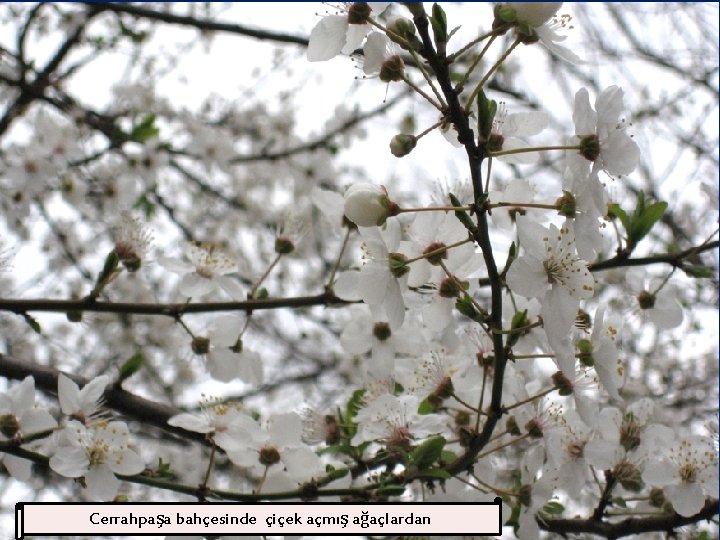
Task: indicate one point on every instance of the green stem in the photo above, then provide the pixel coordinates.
(533, 149)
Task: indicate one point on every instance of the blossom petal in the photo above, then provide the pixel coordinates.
(101, 483)
(527, 278)
(584, 116)
(191, 422)
(126, 461)
(620, 154)
(327, 38)
(194, 285)
(687, 498)
(19, 468)
(232, 287)
(70, 462)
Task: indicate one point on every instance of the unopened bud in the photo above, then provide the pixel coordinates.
(402, 27)
(367, 205)
(402, 144)
(402, 32)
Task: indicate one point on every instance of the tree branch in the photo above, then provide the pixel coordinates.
(665, 523)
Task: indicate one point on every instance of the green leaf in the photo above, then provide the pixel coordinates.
(145, 130)
(427, 453)
(645, 219)
(438, 20)
(699, 271)
(354, 404)
(614, 211)
(132, 365)
(553, 508)
(619, 502)
(446, 456)
(32, 322)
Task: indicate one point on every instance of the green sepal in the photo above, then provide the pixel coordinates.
(486, 114)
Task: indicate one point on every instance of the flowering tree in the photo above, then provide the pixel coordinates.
(202, 303)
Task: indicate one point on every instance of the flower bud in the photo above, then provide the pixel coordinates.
(401, 26)
(402, 32)
(534, 13)
(402, 144)
(366, 205)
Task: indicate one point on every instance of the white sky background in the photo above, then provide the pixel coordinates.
(242, 68)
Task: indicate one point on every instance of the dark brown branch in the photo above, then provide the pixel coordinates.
(636, 525)
(170, 310)
(43, 78)
(673, 259)
(460, 120)
(205, 25)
